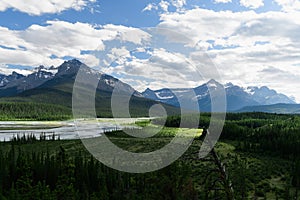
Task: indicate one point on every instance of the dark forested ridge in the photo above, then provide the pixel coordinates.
(20, 108)
(33, 111)
(274, 108)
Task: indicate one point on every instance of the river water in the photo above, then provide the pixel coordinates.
(63, 129)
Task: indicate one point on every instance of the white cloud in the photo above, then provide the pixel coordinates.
(289, 5)
(222, 1)
(149, 7)
(160, 68)
(164, 5)
(202, 25)
(34, 7)
(128, 34)
(252, 3)
(4, 69)
(89, 59)
(178, 3)
(38, 44)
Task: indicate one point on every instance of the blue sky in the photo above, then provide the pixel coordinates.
(124, 12)
(127, 13)
(249, 42)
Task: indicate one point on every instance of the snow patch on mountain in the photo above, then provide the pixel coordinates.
(162, 95)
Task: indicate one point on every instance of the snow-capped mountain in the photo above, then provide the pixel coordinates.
(266, 96)
(69, 70)
(43, 77)
(18, 83)
(184, 97)
(237, 97)
(4, 80)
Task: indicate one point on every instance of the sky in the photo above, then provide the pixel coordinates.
(158, 44)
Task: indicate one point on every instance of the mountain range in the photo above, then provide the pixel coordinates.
(54, 85)
(237, 97)
(42, 77)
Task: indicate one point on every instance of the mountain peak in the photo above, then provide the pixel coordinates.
(52, 68)
(39, 68)
(227, 85)
(14, 73)
(73, 62)
(148, 90)
(212, 81)
(70, 67)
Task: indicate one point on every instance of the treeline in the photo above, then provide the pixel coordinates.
(276, 134)
(257, 132)
(33, 111)
(185, 121)
(32, 138)
(44, 175)
(252, 119)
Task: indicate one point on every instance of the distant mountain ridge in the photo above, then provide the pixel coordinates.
(237, 97)
(4, 79)
(17, 83)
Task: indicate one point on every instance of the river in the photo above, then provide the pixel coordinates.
(65, 130)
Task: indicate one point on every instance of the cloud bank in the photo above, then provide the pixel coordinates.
(34, 7)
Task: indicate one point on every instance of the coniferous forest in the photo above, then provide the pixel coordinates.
(33, 111)
(257, 157)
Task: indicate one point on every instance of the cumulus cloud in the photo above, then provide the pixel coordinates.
(252, 3)
(164, 5)
(203, 25)
(156, 68)
(127, 34)
(178, 3)
(289, 5)
(39, 44)
(4, 69)
(34, 7)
